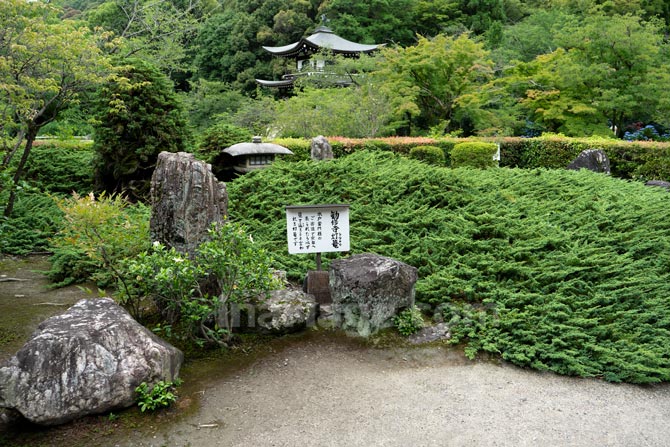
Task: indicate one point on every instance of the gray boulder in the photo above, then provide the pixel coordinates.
(658, 184)
(368, 290)
(286, 311)
(320, 149)
(186, 198)
(592, 159)
(88, 360)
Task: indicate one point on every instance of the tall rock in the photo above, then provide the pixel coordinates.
(186, 199)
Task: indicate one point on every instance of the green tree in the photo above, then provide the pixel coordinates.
(138, 115)
(608, 71)
(434, 74)
(375, 21)
(45, 65)
(357, 111)
(158, 31)
(230, 45)
(481, 15)
(431, 18)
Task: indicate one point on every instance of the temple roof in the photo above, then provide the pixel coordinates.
(323, 37)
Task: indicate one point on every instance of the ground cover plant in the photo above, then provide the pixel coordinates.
(557, 270)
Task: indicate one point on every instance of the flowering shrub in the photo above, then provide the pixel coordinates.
(646, 133)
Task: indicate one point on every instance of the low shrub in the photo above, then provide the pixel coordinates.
(474, 155)
(35, 219)
(199, 295)
(430, 154)
(97, 234)
(409, 321)
(61, 167)
(161, 395)
(557, 270)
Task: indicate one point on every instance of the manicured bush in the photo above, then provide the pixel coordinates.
(553, 269)
(34, 220)
(429, 154)
(61, 166)
(474, 155)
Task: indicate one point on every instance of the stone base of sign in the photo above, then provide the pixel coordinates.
(317, 285)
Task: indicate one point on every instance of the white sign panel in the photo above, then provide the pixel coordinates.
(317, 228)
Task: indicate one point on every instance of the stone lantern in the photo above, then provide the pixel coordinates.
(247, 157)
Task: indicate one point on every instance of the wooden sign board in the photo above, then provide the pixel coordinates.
(317, 228)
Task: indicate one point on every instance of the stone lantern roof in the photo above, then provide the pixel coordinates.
(256, 147)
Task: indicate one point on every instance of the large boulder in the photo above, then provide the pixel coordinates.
(286, 311)
(88, 360)
(186, 198)
(320, 149)
(368, 290)
(592, 159)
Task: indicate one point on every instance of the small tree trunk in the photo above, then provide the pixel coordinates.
(10, 154)
(30, 138)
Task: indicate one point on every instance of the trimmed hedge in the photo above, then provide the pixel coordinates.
(61, 166)
(642, 160)
(430, 154)
(474, 155)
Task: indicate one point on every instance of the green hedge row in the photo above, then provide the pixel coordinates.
(644, 160)
(61, 166)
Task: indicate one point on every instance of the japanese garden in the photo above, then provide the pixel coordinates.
(152, 152)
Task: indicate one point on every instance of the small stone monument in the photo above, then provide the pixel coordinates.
(321, 149)
(592, 159)
(186, 198)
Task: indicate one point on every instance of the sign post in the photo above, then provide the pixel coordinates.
(317, 229)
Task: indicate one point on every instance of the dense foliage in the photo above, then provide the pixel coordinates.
(558, 270)
(137, 116)
(201, 296)
(96, 235)
(474, 155)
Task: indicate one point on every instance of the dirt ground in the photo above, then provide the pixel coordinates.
(324, 391)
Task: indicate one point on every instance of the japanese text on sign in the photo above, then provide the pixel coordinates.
(317, 228)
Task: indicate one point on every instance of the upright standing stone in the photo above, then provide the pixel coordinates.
(321, 149)
(592, 159)
(186, 199)
(368, 290)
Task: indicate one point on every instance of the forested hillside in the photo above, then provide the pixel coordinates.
(469, 67)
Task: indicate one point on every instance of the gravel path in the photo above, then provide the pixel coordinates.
(329, 392)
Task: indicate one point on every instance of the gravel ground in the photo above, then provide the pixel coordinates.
(329, 392)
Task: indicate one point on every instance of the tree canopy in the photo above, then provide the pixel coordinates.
(45, 65)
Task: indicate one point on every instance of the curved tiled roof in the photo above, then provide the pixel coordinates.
(256, 147)
(323, 37)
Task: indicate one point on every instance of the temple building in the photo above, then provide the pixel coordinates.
(303, 50)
